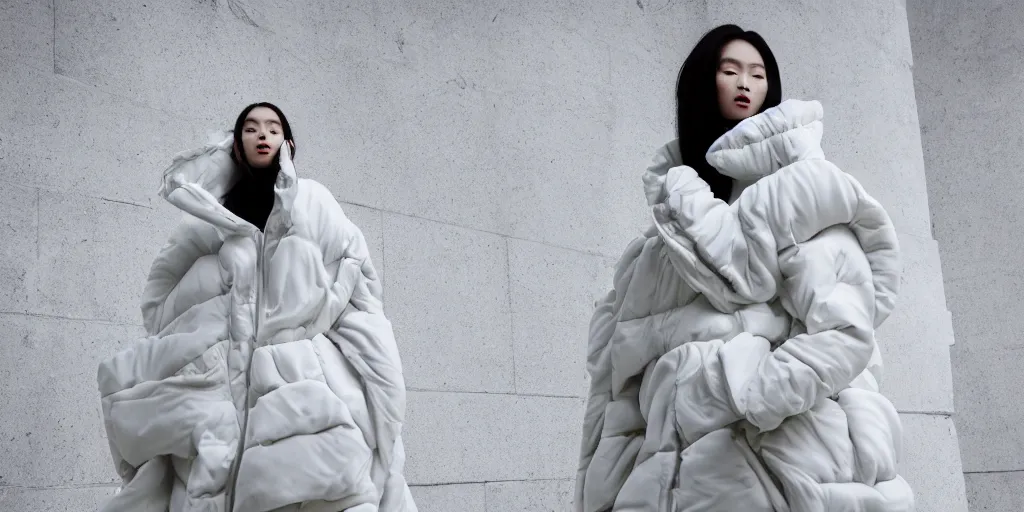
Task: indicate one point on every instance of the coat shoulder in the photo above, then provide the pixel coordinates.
(318, 196)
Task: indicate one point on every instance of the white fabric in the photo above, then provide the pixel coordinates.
(270, 378)
(734, 365)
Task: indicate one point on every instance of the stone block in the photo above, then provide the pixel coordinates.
(642, 82)
(553, 295)
(26, 34)
(19, 230)
(995, 492)
(482, 437)
(48, 366)
(462, 77)
(917, 376)
(988, 420)
(530, 496)
(915, 340)
(210, 57)
(54, 500)
(971, 232)
(987, 312)
(468, 497)
(931, 462)
(957, 30)
(448, 299)
(95, 256)
(60, 134)
(534, 184)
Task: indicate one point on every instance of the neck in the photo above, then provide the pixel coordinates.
(260, 174)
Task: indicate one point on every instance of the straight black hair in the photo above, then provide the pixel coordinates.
(699, 120)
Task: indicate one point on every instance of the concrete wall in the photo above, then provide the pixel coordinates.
(968, 77)
(491, 152)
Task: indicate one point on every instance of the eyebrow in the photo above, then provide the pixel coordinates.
(727, 60)
(269, 121)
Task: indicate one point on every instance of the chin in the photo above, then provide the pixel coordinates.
(739, 115)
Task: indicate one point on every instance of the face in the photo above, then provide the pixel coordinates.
(262, 136)
(741, 80)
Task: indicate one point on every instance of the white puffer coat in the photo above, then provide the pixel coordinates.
(270, 379)
(734, 364)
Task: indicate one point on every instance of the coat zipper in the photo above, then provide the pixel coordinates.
(260, 240)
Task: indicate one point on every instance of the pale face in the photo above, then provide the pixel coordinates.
(262, 136)
(741, 80)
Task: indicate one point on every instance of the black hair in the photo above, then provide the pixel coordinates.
(285, 127)
(698, 117)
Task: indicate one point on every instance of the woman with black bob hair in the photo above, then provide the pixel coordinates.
(270, 379)
(734, 365)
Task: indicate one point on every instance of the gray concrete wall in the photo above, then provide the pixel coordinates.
(491, 152)
(968, 77)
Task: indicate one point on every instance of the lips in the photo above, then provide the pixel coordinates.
(263, 149)
(742, 99)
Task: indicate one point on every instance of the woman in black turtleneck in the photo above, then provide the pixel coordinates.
(730, 75)
(259, 128)
(269, 365)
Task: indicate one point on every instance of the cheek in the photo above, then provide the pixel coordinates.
(723, 87)
(760, 93)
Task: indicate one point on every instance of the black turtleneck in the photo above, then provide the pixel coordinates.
(252, 197)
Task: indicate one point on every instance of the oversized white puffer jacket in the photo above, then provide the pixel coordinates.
(734, 364)
(270, 379)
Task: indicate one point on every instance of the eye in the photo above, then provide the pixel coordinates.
(759, 77)
(729, 72)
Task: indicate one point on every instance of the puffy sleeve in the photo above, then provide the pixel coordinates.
(363, 333)
(827, 286)
(810, 235)
(188, 261)
(152, 392)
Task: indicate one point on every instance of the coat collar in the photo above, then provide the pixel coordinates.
(198, 179)
(756, 147)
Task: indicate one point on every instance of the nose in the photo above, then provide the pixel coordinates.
(742, 84)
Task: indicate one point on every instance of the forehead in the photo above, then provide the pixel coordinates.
(262, 115)
(742, 52)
